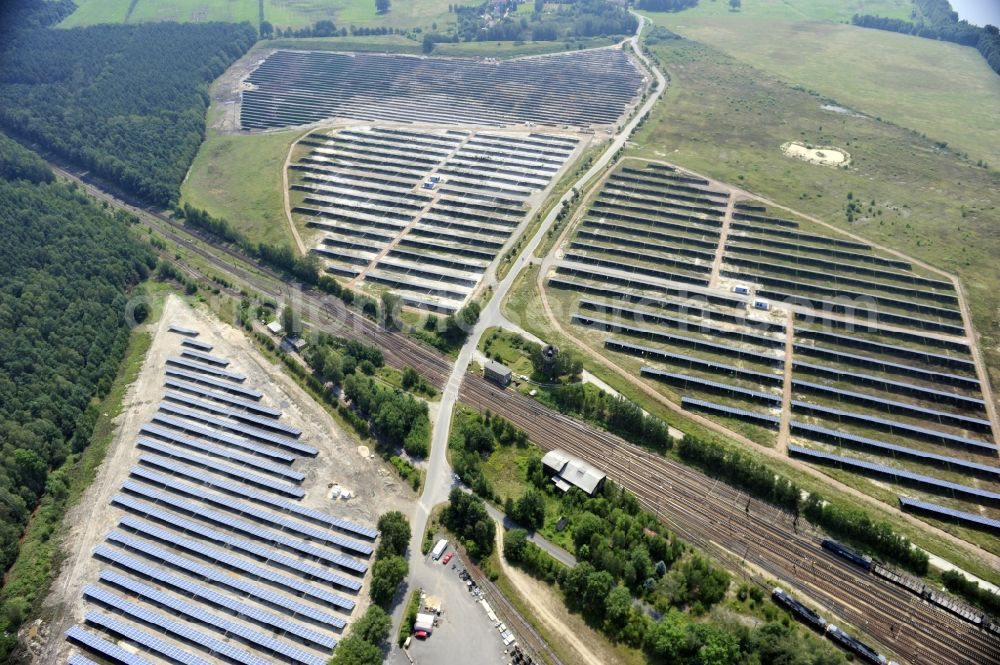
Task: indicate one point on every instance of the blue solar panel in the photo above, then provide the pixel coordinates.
(267, 423)
(109, 650)
(893, 426)
(205, 369)
(195, 344)
(948, 513)
(896, 474)
(222, 398)
(199, 356)
(833, 436)
(723, 410)
(180, 330)
(686, 381)
(213, 435)
(898, 387)
(232, 505)
(233, 472)
(223, 558)
(243, 430)
(219, 451)
(683, 324)
(892, 406)
(251, 393)
(181, 631)
(221, 624)
(265, 535)
(142, 638)
(669, 338)
(691, 361)
(889, 367)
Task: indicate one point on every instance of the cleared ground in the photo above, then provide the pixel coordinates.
(338, 462)
(936, 88)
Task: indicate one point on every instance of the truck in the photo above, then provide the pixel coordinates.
(439, 549)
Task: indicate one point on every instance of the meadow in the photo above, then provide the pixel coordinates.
(942, 90)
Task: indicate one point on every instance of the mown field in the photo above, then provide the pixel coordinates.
(239, 178)
(281, 13)
(942, 90)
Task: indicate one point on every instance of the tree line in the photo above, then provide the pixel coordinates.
(666, 5)
(66, 268)
(126, 102)
(492, 21)
(939, 21)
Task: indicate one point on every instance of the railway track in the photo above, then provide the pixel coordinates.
(750, 537)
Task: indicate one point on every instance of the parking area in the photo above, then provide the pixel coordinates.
(463, 634)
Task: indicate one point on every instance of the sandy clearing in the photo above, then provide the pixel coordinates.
(823, 156)
(373, 487)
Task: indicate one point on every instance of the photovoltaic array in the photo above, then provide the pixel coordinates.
(213, 558)
(717, 297)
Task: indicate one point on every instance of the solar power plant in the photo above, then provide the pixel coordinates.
(192, 366)
(302, 87)
(205, 357)
(180, 330)
(214, 560)
(710, 297)
(422, 213)
(196, 344)
(949, 514)
(193, 377)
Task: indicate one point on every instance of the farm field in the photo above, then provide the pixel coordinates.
(281, 13)
(238, 177)
(593, 87)
(422, 213)
(853, 358)
(936, 88)
(211, 530)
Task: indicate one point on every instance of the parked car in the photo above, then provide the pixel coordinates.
(447, 557)
(421, 634)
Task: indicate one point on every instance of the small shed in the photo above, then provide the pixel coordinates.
(567, 471)
(497, 373)
(274, 327)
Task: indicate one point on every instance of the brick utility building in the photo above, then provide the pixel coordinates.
(497, 373)
(568, 471)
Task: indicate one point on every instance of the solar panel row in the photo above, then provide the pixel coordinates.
(898, 475)
(180, 330)
(208, 464)
(898, 387)
(680, 340)
(195, 344)
(178, 630)
(723, 410)
(267, 423)
(825, 434)
(892, 426)
(948, 513)
(143, 639)
(857, 342)
(888, 367)
(200, 356)
(205, 369)
(207, 574)
(222, 398)
(246, 431)
(693, 382)
(221, 437)
(230, 504)
(216, 599)
(691, 361)
(77, 659)
(270, 537)
(99, 645)
(218, 451)
(200, 616)
(194, 377)
(231, 562)
(943, 417)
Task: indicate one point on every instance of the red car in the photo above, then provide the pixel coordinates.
(447, 558)
(420, 634)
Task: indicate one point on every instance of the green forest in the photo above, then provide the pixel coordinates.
(132, 106)
(66, 267)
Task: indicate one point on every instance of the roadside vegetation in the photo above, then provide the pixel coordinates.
(366, 639)
(67, 270)
(389, 567)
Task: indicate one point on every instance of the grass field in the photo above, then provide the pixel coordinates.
(939, 89)
(281, 13)
(800, 10)
(238, 177)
